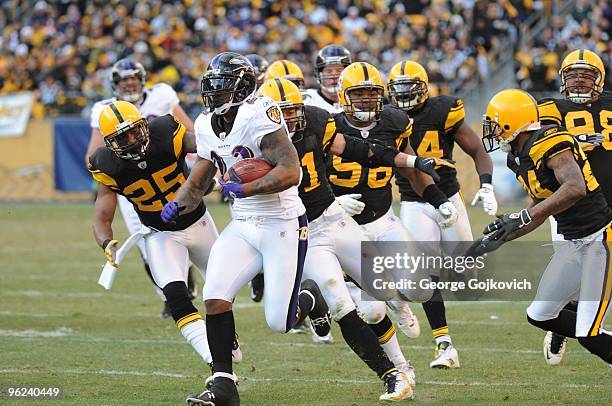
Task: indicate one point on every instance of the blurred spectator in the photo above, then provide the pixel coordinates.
(587, 26)
(65, 48)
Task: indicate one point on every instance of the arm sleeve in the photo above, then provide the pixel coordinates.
(266, 119)
(168, 95)
(100, 176)
(203, 150)
(549, 112)
(455, 117)
(94, 119)
(550, 145)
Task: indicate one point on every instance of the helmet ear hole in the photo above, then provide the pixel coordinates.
(506, 127)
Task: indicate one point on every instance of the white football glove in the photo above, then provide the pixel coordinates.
(487, 197)
(449, 214)
(351, 204)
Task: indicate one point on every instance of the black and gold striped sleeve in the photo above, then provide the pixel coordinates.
(549, 112)
(455, 117)
(102, 177)
(404, 136)
(551, 143)
(177, 137)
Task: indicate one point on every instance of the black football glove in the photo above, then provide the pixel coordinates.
(427, 165)
(497, 231)
(594, 139)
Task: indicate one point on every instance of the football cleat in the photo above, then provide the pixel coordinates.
(397, 387)
(192, 284)
(223, 392)
(320, 318)
(209, 381)
(166, 313)
(554, 347)
(326, 339)
(300, 328)
(257, 288)
(405, 318)
(445, 356)
(408, 369)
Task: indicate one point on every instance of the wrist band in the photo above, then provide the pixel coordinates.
(486, 178)
(434, 196)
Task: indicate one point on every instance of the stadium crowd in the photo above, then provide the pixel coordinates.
(64, 49)
(588, 26)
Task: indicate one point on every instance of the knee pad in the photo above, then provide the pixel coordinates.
(277, 324)
(373, 312)
(177, 296)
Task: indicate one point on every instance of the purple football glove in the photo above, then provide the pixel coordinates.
(171, 212)
(231, 189)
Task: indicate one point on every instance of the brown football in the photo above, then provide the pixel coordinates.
(248, 170)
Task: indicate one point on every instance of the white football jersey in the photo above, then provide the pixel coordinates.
(256, 117)
(313, 98)
(159, 100)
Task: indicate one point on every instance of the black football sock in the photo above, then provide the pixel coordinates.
(600, 345)
(557, 339)
(564, 324)
(221, 333)
(383, 328)
(572, 305)
(364, 343)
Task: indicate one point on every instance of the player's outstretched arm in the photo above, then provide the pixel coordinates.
(189, 142)
(374, 155)
(189, 195)
(277, 149)
(106, 203)
(182, 117)
(471, 144)
(572, 187)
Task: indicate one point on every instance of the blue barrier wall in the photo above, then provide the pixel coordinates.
(71, 138)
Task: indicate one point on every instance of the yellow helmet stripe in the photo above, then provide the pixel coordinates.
(286, 67)
(117, 114)
(365, 71)
(281, 89)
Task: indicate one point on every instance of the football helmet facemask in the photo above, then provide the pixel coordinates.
(288, 97)
(130, 91)
(509, 113)
(329, 56)
(408, 85)
(360, 91)
(228, 82)
(125, 131)
(588, 66)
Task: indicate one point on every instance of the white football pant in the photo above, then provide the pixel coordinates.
(169, 252)
(249, 244)
(579, 271)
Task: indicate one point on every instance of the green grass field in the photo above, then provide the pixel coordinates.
(59, 328)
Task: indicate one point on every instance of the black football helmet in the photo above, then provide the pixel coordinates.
(228, 82)
(331, 55)
(260, 64)
(123, 69)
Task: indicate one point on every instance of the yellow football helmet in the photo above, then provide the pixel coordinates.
(408, 85)
(125, 131)
(509, 113)
(355, 80)
(286, 69)
(289, 98)
(594, 70)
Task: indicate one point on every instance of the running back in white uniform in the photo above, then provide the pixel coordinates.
(312, 97)
(268, 231)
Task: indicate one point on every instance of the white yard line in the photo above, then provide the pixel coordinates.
(248, 379)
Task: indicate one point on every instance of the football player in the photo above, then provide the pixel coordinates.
(554, 171)
(438, 123)
(128, 79)
(329, 64)
(361, 94)
(286, 69)
(269, 227)
(334, 241)
(586, 112)
(144, 161)
(260, 64)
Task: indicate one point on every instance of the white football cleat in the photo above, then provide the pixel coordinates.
(408, 369)
(406, 320)
(446, 356)
(397, 387)
(301, 328)
(326, 339)
(551, 358)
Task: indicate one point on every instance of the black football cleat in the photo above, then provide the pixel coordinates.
(320, 319)
(257, 288)
(223, 392)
